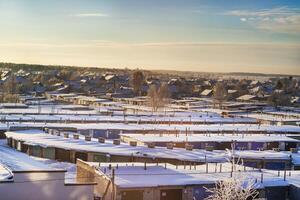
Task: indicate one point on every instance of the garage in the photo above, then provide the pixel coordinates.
(62, 155)
(101, 158)
(171, 194)
(81, 155)
(49, 153)
(132, 195)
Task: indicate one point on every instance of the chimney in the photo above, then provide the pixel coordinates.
(209, 148)
(170, 145)
(88, 138)
(76, 136)
(133, 143)
(116, 142)
(57, 132)
(276, 149)
(101, 140)
(66, 135)
(189, 147)
(151, 145)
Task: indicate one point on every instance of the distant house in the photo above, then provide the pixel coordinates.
(255, 83)
(247, 97)
(13, 106)
(261, 90)
(206, 93)
(295, 100)
(232, 94)
(38, 88)
(174, 86)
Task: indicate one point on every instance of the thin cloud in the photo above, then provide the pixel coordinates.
(90, 15)
(280, 19)
(278, 11)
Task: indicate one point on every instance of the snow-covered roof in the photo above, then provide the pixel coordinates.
(134, 175)
(206, 92)
(38, 137)
(5, 174)
(13, 105)
(161, 127)
(14, 161)
(246, 97)
(210, 138)
(269, 117)
(232, 91)
(267, 155)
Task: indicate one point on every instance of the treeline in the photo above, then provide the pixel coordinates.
(38, 67)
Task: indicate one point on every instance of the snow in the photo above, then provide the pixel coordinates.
(5, 174)
(136, 127)
(133, 175)
(14, 161)
(12, 105)
(38, 137)
(118, 118)
(210, 138)
(206, 92)
(267, 155)
(246, 97)
(17, 161)
(269, 117)
(70, 175)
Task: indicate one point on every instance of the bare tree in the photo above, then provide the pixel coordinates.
(10, 85)
(220, 93)
(241, 87)
(239, 186)
(235, 188)
(10, 90)
(158, 97)
(153, 97)
(279, 99)
(164, 94)
(138, 80)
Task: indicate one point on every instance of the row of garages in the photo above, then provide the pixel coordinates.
(221, 145)
(67, 155)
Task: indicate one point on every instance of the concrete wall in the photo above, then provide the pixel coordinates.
(103, 188)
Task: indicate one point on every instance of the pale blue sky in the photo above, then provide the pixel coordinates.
(254, 36)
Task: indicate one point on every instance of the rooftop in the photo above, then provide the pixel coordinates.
(242, 137)
(12, 161)
(133, 175)
(38, 137)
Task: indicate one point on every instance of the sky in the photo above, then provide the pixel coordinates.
(194, 35)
